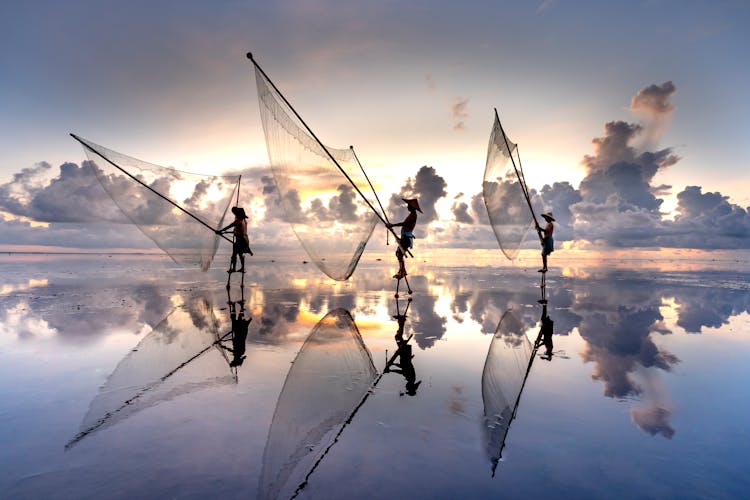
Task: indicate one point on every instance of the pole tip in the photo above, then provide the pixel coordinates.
(351, 147)
(249, 55)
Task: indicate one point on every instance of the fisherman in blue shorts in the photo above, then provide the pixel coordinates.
(406, 241)
(548, 243)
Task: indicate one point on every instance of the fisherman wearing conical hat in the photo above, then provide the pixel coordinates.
(548, 244)
(406, 241)
(241, 244)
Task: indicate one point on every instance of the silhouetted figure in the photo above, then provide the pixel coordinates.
(404, 353)
(406, 241)
(545, 334)
(548, 243)
(241, 244)
(240, 326)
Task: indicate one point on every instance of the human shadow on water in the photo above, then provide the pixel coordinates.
(184, 353)
(404, 366)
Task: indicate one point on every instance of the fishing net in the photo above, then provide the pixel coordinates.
(143, 192)
(502, 380)
(179, 356)
(328, 379)
(329, 217)
(507, 208)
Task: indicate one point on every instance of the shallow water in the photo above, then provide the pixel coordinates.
(116, 357)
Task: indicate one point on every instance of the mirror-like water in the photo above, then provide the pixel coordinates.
(126, 377)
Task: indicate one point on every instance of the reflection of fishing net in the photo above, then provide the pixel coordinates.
(504, 197)
(328, 379)
(179, 356)
(330, 219)
(182, 237)
(502, 380)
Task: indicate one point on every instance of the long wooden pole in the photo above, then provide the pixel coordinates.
(330, 156)
(87, 146)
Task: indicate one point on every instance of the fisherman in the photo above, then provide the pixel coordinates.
(548, 243)
(406, 241)
(241, 244)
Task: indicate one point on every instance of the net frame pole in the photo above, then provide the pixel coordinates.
(370, 183)
(520, 176)
(373, 189)
(330, 156)
(85, 145)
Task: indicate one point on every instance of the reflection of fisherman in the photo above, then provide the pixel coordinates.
(404, 353)
(548, 244)
(406, 241)
(239, 334)
(545, 334)
(241, 244)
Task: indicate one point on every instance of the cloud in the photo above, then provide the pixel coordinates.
(706, 220)
(459, 113)
(460, 212)
(74, 195)
(654, 99)
(652, 104)
(428, 187)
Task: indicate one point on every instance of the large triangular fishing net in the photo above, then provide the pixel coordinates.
(507, 208)
(329, 217)
(178, 357)
(188, 238)
(328, 379)
(504, 372)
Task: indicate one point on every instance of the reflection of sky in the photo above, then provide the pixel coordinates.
(665, 349)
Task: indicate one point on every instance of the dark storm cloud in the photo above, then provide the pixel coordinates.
(459, 113)
(428, 187)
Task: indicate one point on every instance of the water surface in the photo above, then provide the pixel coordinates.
(118, 380)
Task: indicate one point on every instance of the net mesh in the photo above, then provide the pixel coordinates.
(178, 357)
(328, 379)
(502, 379)
(504, 197)
(185, 239)
(328, 216)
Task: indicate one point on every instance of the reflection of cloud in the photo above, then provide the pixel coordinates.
(427, 325)
(653, 420)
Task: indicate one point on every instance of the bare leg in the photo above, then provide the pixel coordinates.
(401, 268)
(233, 265)
(242, 262)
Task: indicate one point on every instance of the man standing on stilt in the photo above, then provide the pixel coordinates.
(241, 244)
(406, 241)
(548, 243)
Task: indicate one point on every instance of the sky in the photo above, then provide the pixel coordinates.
(632, 114)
